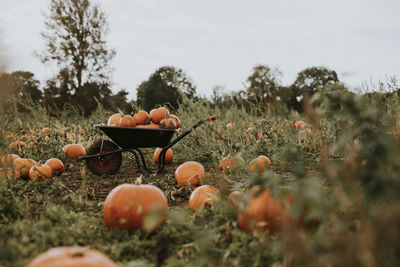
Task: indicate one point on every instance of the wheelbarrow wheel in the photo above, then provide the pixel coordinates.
(101, 165)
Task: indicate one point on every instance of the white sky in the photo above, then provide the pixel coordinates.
(217, 42)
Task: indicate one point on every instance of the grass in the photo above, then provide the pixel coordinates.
(344, 176)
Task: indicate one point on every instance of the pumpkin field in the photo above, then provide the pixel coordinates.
(250, 188)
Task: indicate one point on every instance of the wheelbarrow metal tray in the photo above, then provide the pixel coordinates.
(132, 137)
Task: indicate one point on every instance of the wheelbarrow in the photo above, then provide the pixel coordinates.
(105, 156)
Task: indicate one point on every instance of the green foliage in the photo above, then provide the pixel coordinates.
(165, 86)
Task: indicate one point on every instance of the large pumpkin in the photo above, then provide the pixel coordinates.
(71, 256)
(133, 207)
(202, 195)
(189, 172)
(263, 212)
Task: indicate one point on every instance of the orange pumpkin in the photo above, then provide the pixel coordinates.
(262, 213)
(23, 165)
(40, 172)
(71, 256)
(177, 121)
(127, 121)
(114, 119)
(9, 173)
(167, 124)
(141, 117)
(56, 166)
(169, 155)
(74, 150)
(130, 206)
(227, 163)
(260, 164)
(46, 131)
(189, 172)
(158, 114)
(7, 160)
(202, 195)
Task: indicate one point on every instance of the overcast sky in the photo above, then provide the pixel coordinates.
(217, 42)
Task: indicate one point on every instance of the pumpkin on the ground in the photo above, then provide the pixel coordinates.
(40, 172)
(260, 164)
(201, 196)
(7, 160)
(133, 207)
(56, 165)
(23, 165)
(226, 164)
(71, 256)
(9, 173)
(189, 172)
(263, 212)
(169, 155)
(74, 150)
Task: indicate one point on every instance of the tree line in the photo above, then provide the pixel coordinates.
(75, 45)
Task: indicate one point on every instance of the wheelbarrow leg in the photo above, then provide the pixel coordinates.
(144, 162)
(138, 161)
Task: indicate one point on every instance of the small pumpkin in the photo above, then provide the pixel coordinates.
(127, 121)
(141, 117)
(158, 114)
(40, 172)
(71, 256)
(201, 196)
(23, 165)
(168, 124)
(133, 207)
(74, 150)
(169, 155)
(177, 121)
(260, 164)
(114, 119)
(226, 164)
(56, 166)
(189, 172)
(46, 131)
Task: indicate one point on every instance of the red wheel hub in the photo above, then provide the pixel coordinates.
(103, 163)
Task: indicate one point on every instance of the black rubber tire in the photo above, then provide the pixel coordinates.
(109, 164)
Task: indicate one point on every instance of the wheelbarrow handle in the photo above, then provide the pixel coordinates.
(189, 130)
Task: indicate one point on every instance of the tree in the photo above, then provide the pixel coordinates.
(263, 86)
(314, 79)
(20, 85)
(165, 85)
(75, 42)
(308, 82)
